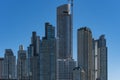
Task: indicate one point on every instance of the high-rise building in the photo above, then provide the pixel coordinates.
(85, 54)
(49, 31)
(9, 65)
(21, 64)
(35, 43)
(65, 61)
(33, 58)
(64, 31)
(48, 54)
(29, 65)
(1, 68)
(100, 52)
(65, 69)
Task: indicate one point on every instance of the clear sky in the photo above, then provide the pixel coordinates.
(18, 18)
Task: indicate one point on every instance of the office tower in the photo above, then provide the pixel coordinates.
(21, 64)
(85, 54)
(100, 52)
(9, 65)
(29, 65)
(65, 61)
(35, 43)
(1, 68)
(48, 54)
(64, 31)
(34, 58)
(49, 31)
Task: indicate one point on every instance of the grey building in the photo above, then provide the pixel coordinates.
(29, 65)
(78, 73)
(35, 43)
(64, 31)
(1, 68)
(33, 58)
(100, 52)
(65, 69)
(22, 64)
(9, 65)
(85, 54)
(65, 61)
(48, 54)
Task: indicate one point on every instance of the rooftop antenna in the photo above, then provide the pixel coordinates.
(71, 2)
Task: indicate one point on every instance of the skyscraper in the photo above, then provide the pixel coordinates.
(34, 57)
(65, 61)
(9, 64)
(35, 43)
(64, 31)
(85, 55)
(100, 51)
(48, 54)
(21, 64)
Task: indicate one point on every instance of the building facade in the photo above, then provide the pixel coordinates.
(1, 68)
(22, 64)
(9, 65)
(100, 51)
(85, 54)
(64, 31)
(92, 55)
(48, 54)
(78, 73)
(65, 61)
(33, 58)
(65, 69)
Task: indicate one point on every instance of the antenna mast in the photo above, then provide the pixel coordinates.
(71, 9)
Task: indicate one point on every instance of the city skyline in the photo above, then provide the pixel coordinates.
(96, 25)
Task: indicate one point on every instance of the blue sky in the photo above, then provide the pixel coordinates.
(18, 18)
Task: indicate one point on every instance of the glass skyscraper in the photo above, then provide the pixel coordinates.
(64, 31)
(92, 55)
(48, 54)
(65, 61)
(9, 65)
(34, 58)
(85, 55)
(22, 64)
(100, 51)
